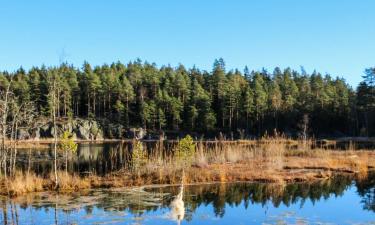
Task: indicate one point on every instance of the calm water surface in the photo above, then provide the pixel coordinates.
(98, 159)
(337, 201)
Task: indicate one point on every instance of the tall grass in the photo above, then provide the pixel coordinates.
(268, 159)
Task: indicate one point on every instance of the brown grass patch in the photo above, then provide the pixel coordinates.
(266, 160)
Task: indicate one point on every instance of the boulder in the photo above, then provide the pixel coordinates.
(80, 128)
(99, 135)
(116, 131)
(138, 133)
(83, 132)
(45, 131)
(36, 134)
(23, 134)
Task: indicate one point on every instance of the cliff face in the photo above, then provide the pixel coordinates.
(83, 129)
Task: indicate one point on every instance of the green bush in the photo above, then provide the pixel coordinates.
(139, 156)
(185, 151)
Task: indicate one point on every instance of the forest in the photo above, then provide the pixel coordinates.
(141, 94)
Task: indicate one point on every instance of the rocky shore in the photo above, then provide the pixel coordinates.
(82, 129)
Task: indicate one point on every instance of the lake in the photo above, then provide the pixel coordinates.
(99, 158)
(337, 201)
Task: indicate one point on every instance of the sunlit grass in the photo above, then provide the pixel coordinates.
(275, 160)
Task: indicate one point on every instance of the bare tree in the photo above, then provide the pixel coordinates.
(304, 126)
(5, 98)
(52, 95)
(22, 117)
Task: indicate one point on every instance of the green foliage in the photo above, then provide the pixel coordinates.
(67, 143)
(142, 94)
(185, 151)
(139, 156)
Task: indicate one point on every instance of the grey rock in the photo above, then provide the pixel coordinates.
(23, 134)
(83, 132)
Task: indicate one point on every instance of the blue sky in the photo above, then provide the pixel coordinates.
(331, 36)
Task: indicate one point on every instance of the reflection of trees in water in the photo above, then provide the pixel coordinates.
(138, 201)
(100, 159)
(366, 189)
(90, 158)
(243, 193)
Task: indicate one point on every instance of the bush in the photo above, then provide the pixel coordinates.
(185, 151)
(139, 156)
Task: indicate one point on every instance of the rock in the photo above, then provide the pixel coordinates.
(94, 128)
(80, 128)
(99, 136)
(138, 133)
(57, 132)
(36, 134)
(45, 131)
(83, 132)
(117, 131)
(23, 134)
(68, 127)
(96, 131)
(89, 130)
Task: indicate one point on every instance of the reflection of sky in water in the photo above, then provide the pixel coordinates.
(344, 209)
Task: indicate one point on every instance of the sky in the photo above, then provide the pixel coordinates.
(332, 36)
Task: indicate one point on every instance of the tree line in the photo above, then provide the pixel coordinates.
(140, 94)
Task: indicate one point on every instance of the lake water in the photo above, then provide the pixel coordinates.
(337, 201)
(98, 159)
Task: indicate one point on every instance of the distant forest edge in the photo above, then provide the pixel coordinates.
(140, 94)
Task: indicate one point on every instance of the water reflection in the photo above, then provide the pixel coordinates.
(90, 158)
(367, 191)
(178, 207)
(98, 159)
(194, 203)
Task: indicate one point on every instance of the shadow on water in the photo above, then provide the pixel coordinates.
(165, 203)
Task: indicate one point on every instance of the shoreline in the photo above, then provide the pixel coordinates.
(273, 160)
(349, 143)
(351, 176)
(294, 170)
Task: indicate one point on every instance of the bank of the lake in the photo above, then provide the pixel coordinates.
(270, 162)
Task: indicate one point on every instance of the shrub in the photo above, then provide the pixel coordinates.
(139, 156)
(68, 145)
(185, 151)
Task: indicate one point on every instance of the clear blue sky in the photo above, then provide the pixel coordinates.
(332, 36)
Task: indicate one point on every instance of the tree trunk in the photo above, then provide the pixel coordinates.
(66, 162)
(88, 104)
(55, 132)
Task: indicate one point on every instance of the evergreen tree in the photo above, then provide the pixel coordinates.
(143, 94)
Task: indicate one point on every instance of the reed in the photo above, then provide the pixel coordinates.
(270, 159)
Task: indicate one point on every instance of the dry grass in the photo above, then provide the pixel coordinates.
(22, 183)
(267, 160)
(68, 182)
